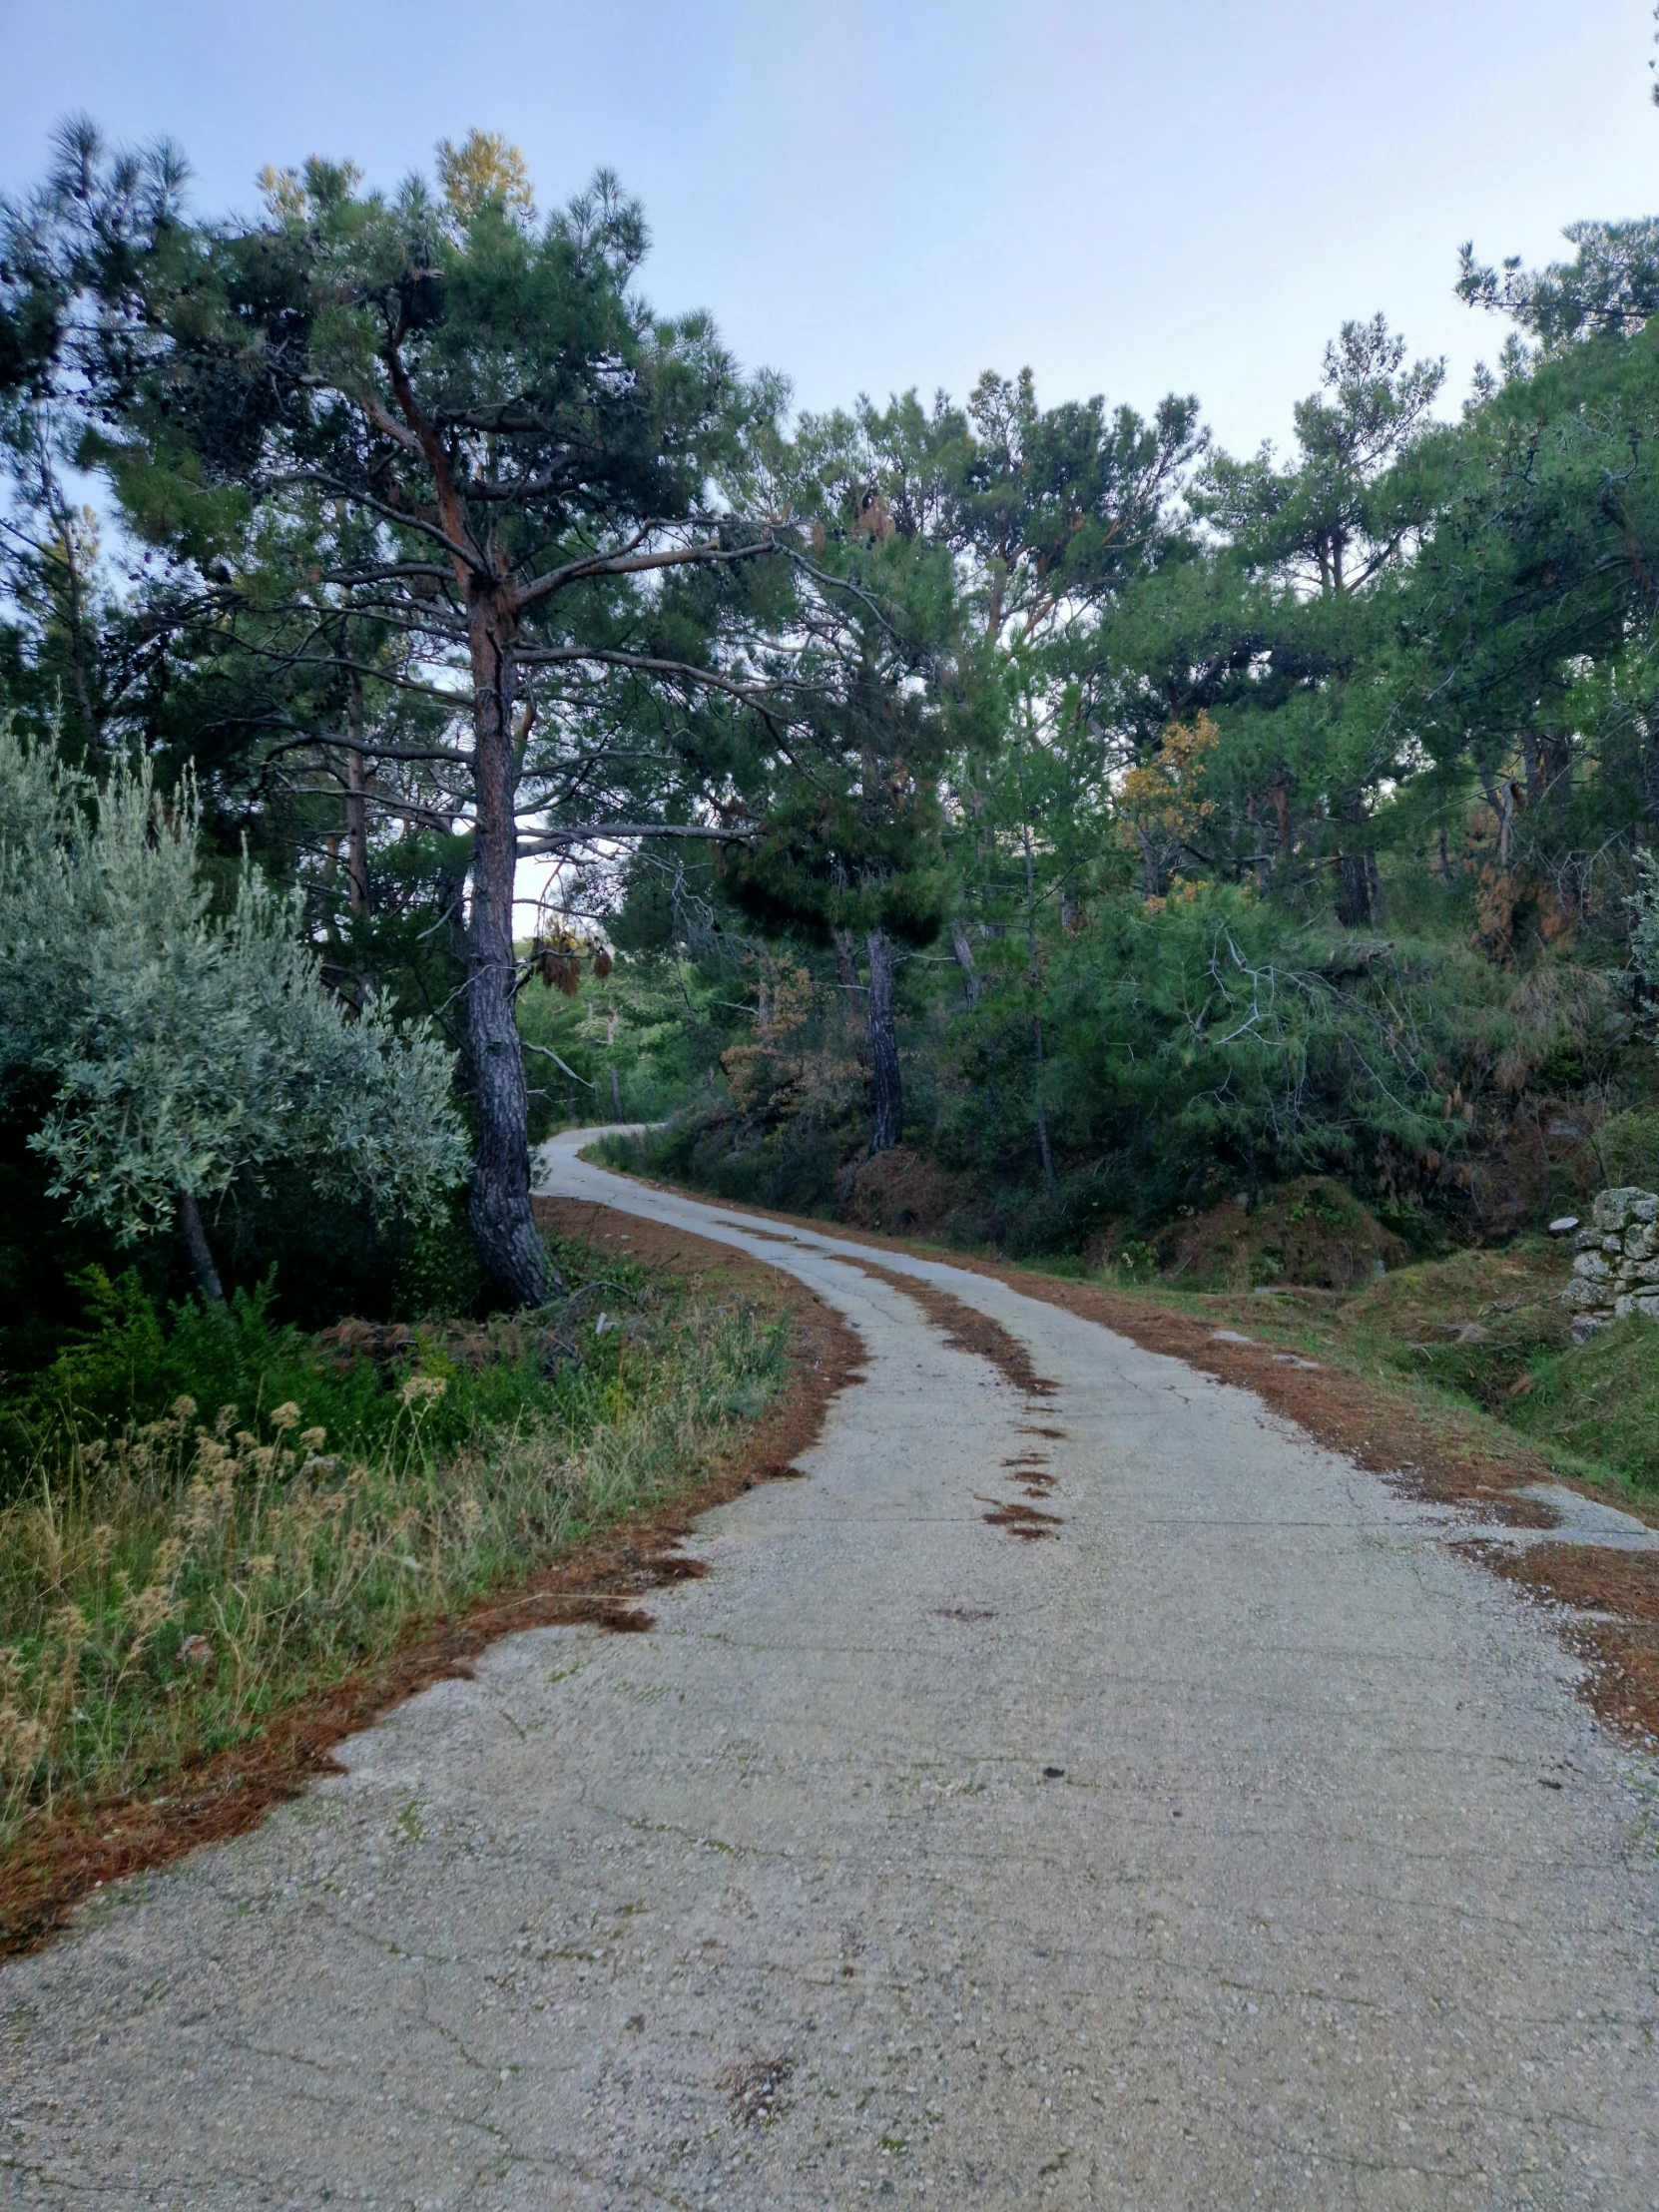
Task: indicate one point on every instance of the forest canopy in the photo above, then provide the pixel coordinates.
(1029, 791)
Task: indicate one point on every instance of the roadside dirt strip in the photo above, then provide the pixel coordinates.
(1083, 1789)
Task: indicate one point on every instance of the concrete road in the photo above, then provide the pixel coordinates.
(1240, 1845)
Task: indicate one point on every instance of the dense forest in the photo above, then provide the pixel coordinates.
(1024, 823)
(1015, 822)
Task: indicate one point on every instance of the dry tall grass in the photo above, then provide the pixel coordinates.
(163, 1592)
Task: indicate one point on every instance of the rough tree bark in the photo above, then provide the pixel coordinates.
(1157, 861)
(1358, 886)
(847, 974)
(963, 949)
(886, 1099)
(195, 1243)
(357, 804)
(498, 1202)
(1034, 975)
(1502, 800)
(1044, 1151)
(1548, 768)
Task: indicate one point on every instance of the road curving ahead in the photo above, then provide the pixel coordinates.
(1081, 1790)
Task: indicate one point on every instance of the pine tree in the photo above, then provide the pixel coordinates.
(465, 430)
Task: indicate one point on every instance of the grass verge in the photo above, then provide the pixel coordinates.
(192, 1613)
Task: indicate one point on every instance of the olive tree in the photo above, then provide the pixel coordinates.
(190, 1053)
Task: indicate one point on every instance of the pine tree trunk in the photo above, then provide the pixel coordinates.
(1279, 794)
(963, 949)
(1034, 978)
(1359, 887)
(1502, 802)
(888, 1115)
(452, 909)
(846, 975)
(1156, 861)
(356, 805)
(1354, 892)
(503, 1225)
(1533, 769)
(1548, 770)
(1044, 1153)
(201, 1256)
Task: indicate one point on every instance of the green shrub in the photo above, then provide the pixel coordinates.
(1600, 1400)
(1628, 1145)
(192, 1055)
(130, 1358)
(167, 1584)
(437, 1269)
(791, 1168)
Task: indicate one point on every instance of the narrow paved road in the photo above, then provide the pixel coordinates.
(1237, 1844)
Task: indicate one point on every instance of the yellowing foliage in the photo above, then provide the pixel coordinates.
(486, 166)
(1162, 805)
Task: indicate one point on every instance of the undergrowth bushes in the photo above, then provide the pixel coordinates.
(1191, 1051)
(1600, 1399)
(127, 1363)
(170, 1579)
(1628, 1149)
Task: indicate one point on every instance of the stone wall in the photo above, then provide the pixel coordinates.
(1616, 1271)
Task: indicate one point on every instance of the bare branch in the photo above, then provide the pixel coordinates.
(553, 655)
(592, 832)
(709, 553)
(548, 1053)
(388, 426)
(334, 742)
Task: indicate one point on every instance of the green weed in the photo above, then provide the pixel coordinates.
(1600, 1400)
(168, 1585)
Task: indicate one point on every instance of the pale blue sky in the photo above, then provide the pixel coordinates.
(1128, 196)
